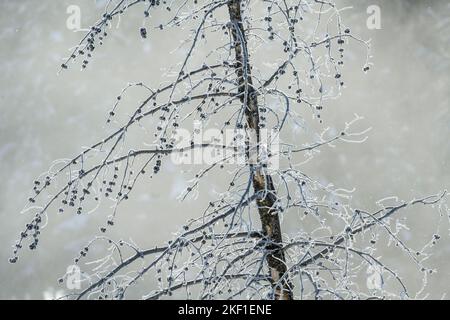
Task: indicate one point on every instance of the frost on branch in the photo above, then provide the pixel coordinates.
(241, 245)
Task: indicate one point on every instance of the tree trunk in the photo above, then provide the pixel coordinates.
(262, 182)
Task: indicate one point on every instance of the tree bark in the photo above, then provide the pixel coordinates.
(262, 182)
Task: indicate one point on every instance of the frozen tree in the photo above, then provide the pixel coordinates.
(240, 246)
